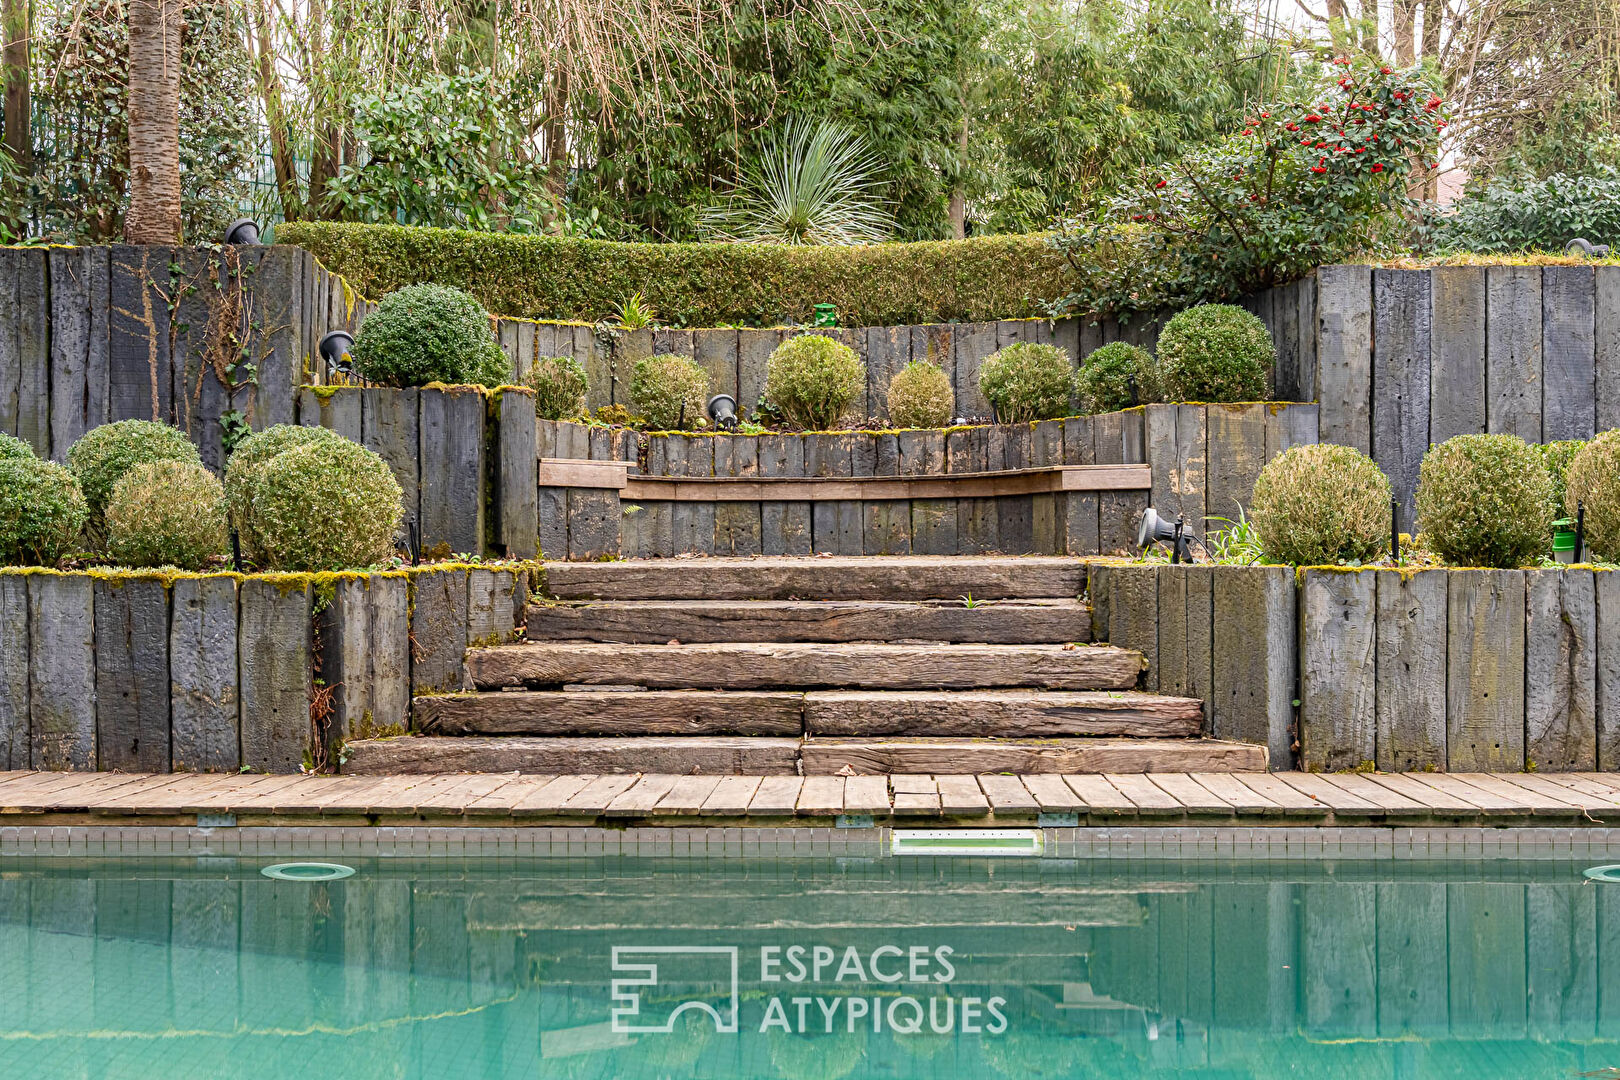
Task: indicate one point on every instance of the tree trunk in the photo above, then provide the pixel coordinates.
(1405, 19)
(154, 123)
(275, 116)
(14, 28)
(958, 204)
(554, 130)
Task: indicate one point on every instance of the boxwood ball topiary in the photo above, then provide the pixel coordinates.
(103, 455)
(167, 513)
(812, 381)
(325, 506)
(559, 386)
(426, 333)
(1026, 381)
(1594, 479)
(1485, 500)
(920, 396)
(670, 392)
(1215, 352)
(42, 511)
(1116, 376)
(13, 447)
(1321, 504)
(243, 469)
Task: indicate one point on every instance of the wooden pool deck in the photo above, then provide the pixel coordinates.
(485, 799)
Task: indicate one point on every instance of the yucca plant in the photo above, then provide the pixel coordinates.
(817, 183)
(634, 312)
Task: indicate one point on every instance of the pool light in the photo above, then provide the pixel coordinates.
(986, 842)
(308, 871)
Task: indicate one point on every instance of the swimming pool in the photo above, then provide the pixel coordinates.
(809, 969)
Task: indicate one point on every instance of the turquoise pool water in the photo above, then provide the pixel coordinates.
(810, 970)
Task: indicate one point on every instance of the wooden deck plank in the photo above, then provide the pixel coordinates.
(1403, 784)
(71, 789)
(595, 796)
(639, 798)
(455, 798)
(1293, 803)
(1535, 803)
(404, 798)
(1583, 802)
(1196, 798)
(116, 795)
(866, 795)
(1598, 794)
(915, 784)
(551, 796)
(1489, 804)
(1150, 799)
(917, 804)
(1327, 795)
(1242, 799)
(1098, 795)
(777, 796)
(498, 803)
(1053, 795)
(1391, 803)
(1008, 794)
(961, 795)
(687, 795)
(731, 796)
(171, 798)
(822, 795)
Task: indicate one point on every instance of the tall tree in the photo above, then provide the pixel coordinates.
(154, 122)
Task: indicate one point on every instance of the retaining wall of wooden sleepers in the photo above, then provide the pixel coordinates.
(146, 672)
(1458, 670)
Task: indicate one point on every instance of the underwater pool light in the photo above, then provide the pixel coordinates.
(308, 871)
(1609, 874)
(993, 842)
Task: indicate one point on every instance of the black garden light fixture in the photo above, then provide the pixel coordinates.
(243, 231)
(1156, 529)
(334, 349)
(722, 410)
(1582, 246)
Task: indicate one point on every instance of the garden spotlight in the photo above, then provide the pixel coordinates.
(1585, 247)
(334, 349)
(723, 411)
(243, 231)
(1155, 529)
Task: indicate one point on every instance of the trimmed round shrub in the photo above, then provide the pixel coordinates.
(1594, 479)
(1027, 382)
(669, 391)
(920, 396)
(245, 465)
(559, 387)
(167, 513)
(1485, 500)
(1321, 504)
(811, 381)
(1558, 456)
(103, 455)
(42, 511)
(495, 369)
(325, 506)
(12, 447)
(1215, 352)
(1113, 377)
(423, 334)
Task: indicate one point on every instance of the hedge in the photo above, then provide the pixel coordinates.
(541, 277)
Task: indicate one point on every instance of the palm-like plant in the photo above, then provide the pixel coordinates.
(816, 183)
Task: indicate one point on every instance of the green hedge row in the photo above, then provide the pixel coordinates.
(542, 277)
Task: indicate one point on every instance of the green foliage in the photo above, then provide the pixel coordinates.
(559, 387)
(1485, 500)
(13, 447)
(494, 370)
(1321, 504)
(1025, 381)
(426, 333)
(103, 455)
(1116, 376)
(167, 513)
(42, 512)
(811, 381)
(634, 312)
(543, 277)
(920, 396)
(1594, 479)
(1519, 213)
(1215, 352)
(326, 505)
(1557, 456)
(669, 392)
(451, 150)
(243, 470)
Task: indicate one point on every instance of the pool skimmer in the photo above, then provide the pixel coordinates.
(984, 842)
(308, 871)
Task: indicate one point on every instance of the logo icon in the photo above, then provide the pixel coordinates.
(664, 981)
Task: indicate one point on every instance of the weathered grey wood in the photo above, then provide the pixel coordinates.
(888, 349)
(785, 527)
(197, 305)
(79, 321)
(1009, 713)
(1309, 329)
(1607, 346)
(1344, 355)
(132, 674)
(973, 342)
(1133, 616)
(517, 507)
(1237, 453)
(62, 698)
(594, 517)
(1607, 588)
(682, 755)
(716, 353)
(1337, 658)
(336, 409)
(754, 348)
(824, 757)
(1411, 688)
(1199, 644)
(1412, 997)
(453, 470)
(1560, 670)
(914, 578)
(1569, 352)
(140, 378)
(389, 428)
(594, 355)
(1561, 975)
(1402, 348)
(276, 682)
(438, 630)
(1513, 353)
(634, 345)
(205, 720)
(1288, 426)
(277, 310)
(1079, 509)
(746, 666)
(14, 646)
(490, 606)
(645, 530)
(573, 441)
(1119, 439)
(656, 712)
(1253, 672)
(551, 507)
(1339, 987)
(1485, 671)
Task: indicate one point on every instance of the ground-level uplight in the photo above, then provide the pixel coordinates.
(334, 349)
(723, 411)
(1156, 529)
(243, 231)
(1581, 245)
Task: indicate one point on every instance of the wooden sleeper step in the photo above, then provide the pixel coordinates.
(894, 755)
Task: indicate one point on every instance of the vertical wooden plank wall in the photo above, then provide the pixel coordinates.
(1337, 685)
(1402, 344)
(1457, 352)
(1344, 362)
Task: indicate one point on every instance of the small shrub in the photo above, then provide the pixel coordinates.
(493, 370)
(1215, 352)
(1557, 456)
(243, 469)
(1485, 500)
(167, 513)
(559, 387)
(328, 505)
(12, 447)
(1116, 376)
(103, 455)
(1027, 382)
(1321, 504)
(812, 380)
(425, 333)
(42, 511)
(920, 396)
(1594, 479)
(669, 391)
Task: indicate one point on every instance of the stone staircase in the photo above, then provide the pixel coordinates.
(819, 666)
